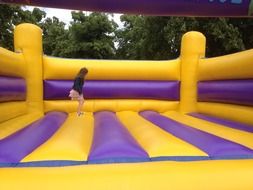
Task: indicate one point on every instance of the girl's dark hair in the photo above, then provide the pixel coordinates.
(81, 74)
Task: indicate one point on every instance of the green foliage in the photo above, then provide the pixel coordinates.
(89, 36)
(8, 16)
(245, 28)
(130, 39)
(222, 37)
(13, 15)
(160, 37)
(54, 33)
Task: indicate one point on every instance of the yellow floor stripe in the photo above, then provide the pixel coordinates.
(154, 140)
(242, 114)
(241, 137)
(13, 125)
(71, 142)
(114, 105)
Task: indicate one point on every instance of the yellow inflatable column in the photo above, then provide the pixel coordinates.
(192, 49)
(28, 41)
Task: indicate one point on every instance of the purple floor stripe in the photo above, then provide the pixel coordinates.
(18, 145)
(112, 140)
(225, 122)
(214, 146)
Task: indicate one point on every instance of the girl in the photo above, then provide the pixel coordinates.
(76, 93)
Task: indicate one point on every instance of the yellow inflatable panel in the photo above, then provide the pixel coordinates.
(242, 114)
(57, 68)
(111, 105)
(66, 106)
(12, 64)
(154, 140)
(234, 66)
(199, 175)
(238, 136)
(189, 64)
(17, 123)
(9, 110)
(158, 105)
(28, 40)
(71, 142)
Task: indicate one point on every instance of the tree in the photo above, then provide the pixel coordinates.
(222, 37)
(13, 15)
(245, 28)
(54, 33)
(130, 39)
(8, 16)
(89, 36)
(160, 37)
(35, 16)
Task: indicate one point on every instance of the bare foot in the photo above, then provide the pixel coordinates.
(79, 114)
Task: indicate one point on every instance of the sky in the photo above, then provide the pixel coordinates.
(65, 15)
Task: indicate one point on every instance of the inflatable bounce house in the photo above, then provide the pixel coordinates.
(178, 124)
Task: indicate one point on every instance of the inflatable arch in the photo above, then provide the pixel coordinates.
(178, 124)
(153, 7)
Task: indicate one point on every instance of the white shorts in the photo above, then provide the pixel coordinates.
(74, 95)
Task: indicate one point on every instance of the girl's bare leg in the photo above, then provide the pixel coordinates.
(80, 105)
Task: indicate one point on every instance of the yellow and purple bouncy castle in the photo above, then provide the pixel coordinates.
(180, 124)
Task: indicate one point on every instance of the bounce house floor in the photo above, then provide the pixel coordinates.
(58, 139)
(130, 139)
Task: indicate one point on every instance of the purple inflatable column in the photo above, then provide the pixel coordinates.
(112, 141)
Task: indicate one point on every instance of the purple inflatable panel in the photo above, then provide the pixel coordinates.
(152, 7)
(214, 146)
(12, 89)
(112, 140)
(18, 145)
(227, 91)
(161, 90)
(225, 122)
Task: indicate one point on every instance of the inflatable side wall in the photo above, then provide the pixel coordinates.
(21, 76)
(114, 85)
(219, 86)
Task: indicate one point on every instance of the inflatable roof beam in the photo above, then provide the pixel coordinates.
(214, 8)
